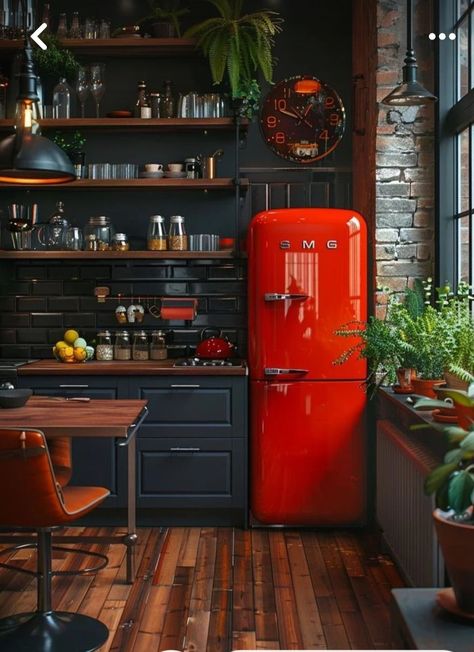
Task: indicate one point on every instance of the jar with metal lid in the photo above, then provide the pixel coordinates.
(158, 350)
(177, 238)
(104, 349)
(140, 348)
(192, 168)
(156, 238)
(103, 230)
(120, 242)
(122, 348)
(155, 99)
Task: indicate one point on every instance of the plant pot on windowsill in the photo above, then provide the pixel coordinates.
(405, 377)
(78, 159)
(425, 387)
(457, 543)
(453, 381)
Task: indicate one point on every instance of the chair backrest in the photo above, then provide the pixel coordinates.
(60, 452)
(29, 493)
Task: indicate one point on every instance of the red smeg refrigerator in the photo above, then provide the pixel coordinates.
(307, 277)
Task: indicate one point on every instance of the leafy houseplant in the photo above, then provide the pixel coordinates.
(453, 485)
(164, 19)
(74, 148)
(238, 47)
(56, 61)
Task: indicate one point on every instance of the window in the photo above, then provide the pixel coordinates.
(455, 205)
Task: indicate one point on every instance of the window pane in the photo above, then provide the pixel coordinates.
(462, 41)
(464, 240)
(464, 171)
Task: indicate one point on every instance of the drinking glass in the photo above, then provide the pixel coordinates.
(97, 84)
(74, 238)
(82, 88)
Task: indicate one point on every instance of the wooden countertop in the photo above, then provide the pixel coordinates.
(132, 368)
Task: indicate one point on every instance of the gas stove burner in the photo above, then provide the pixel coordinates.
(202, 362)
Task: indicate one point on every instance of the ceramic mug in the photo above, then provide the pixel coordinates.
(175, 167)
(153, 167)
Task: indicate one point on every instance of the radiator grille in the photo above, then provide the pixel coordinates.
(403, 511)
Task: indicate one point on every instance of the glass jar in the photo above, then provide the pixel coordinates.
(104, 351)
(122, 348)
(103, 230)
(120, 242)
(140, 349)
(177, 238)
(156, 237)
(158, 350)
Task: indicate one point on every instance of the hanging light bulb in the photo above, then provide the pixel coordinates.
(26, 157)
(410, 92)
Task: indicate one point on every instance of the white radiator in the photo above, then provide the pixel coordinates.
(403, 510)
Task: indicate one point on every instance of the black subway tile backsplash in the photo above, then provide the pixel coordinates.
(39, 302)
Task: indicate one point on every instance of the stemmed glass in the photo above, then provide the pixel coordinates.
(97, 84)
(82, 88)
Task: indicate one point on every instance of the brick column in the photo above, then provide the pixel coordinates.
(405, 154)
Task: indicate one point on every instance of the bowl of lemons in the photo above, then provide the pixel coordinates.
(73, 348)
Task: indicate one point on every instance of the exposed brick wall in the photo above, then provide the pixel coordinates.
(405, 154)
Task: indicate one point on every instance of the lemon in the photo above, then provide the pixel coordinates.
(80, 343)
(71, 336)
(66, 352)
(80, 354)
(60, 344)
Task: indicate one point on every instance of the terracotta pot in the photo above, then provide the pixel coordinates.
(405, 376)
(425, 387)
(454, 382)
(465, 415)
(457, 543)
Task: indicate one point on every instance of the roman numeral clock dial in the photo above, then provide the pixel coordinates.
(302, 119)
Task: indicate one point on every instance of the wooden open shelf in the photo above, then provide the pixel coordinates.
(137, 184)
(116, 255)
(118, 47)
(132, 124)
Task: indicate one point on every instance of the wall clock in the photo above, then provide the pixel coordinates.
(302, 119)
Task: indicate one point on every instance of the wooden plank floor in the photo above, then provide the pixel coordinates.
(219, 589)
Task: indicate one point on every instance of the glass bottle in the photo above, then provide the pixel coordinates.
(177, 238)
(167, 100)
(62, 26)
(75, 31)
(104, 351)
(61, 100)
(156, 238)
(46, 15)
(155, 105)
(158, 350)
(4, 81)
(122, 348)
(140, 349)
(141, 99)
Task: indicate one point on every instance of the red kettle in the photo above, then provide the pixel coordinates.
(215, 346)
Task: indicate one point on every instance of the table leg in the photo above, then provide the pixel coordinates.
(131, 537)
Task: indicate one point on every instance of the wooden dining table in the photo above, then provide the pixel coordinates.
(69, 417)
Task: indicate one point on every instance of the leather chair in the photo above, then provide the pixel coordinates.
(33, 498)
(60, 452)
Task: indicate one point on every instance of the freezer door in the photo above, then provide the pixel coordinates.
(308, 453)
(307, 277)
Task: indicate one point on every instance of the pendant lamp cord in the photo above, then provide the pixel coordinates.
(410, 54)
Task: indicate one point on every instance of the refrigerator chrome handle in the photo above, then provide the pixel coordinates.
(277, 371)
(276, 296)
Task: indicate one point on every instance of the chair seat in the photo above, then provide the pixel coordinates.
(78, 501)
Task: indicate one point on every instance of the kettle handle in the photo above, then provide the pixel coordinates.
(214, 332)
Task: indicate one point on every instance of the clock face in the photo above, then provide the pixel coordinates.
(302, 119)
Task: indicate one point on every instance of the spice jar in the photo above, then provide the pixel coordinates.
(104, 350)
(156, 238)
(177, 239)
(103, 230)
(140, 350)
(122, 348)
(158, 350)
(120, 242)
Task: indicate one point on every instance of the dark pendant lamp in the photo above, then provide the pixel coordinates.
(410, 92)
(26, 157)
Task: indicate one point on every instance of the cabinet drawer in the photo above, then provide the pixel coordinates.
(193, 406)
(184, 473)
(101, 388)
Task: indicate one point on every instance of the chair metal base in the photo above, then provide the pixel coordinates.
(57, 631)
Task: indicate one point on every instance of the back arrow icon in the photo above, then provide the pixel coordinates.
(35, 36)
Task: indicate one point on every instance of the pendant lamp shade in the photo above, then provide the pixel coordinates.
(410, 92)
(26, 157)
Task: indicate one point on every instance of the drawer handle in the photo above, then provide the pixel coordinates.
(74, 386)
(184, 450)
(185, 386)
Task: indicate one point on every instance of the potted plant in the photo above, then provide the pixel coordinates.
(460, 371)
(164, 18)
(453, 486)
(54, 63)
(238, 46)
(73, 145)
